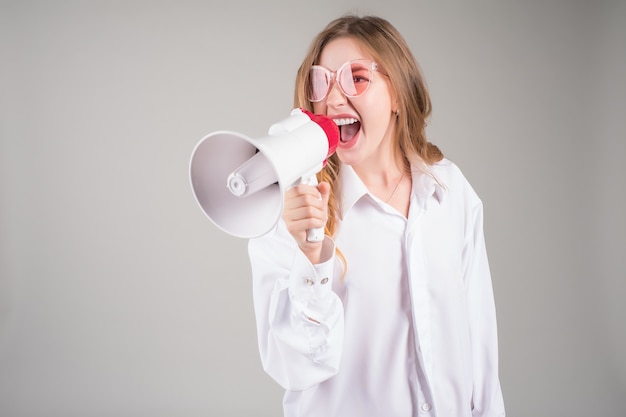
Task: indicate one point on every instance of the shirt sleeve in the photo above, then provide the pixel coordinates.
(299, 318)
(487, 398)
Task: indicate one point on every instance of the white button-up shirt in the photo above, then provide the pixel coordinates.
(410, 330)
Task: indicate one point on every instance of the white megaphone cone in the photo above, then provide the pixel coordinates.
(239, 182)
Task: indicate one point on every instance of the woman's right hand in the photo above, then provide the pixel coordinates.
(306, 207)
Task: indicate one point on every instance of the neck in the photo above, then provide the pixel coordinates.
(381, 173)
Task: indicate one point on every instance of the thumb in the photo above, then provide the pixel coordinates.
(324, 189)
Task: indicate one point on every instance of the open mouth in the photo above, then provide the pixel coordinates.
(348, 128)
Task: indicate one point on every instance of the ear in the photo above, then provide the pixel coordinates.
(395, 103)
(395, 107)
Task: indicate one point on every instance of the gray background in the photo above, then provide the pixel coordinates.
(118, 297)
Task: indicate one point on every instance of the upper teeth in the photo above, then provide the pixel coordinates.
(347, 121)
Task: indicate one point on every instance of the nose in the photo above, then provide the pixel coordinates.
(335, 96)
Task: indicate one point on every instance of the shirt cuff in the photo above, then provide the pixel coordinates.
(310, 282)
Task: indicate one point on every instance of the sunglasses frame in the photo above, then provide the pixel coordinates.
(370, 65)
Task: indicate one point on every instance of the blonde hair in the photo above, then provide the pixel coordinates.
(391, 52)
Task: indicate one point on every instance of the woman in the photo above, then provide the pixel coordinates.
(393, 313)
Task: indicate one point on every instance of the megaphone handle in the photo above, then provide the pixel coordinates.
(313, 235)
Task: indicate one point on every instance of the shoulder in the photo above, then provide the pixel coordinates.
(448, 171)
(456, 185)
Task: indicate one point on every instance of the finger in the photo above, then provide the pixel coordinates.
(305, 211)
(301, 194)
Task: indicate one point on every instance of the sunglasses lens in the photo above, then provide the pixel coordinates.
(354, 79)
(319, 82)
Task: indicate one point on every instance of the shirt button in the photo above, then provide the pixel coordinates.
(308, 281)
(324, 280)
(426, 407)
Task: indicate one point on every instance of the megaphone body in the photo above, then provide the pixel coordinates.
(239, 182)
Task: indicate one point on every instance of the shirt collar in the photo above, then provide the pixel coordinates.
(425, 185)
(352, 188)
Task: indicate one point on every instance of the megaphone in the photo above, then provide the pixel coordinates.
(239, 182)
